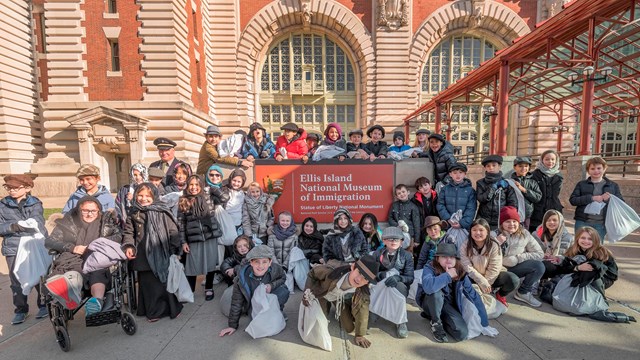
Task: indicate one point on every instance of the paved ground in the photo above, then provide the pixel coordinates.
(525, 333)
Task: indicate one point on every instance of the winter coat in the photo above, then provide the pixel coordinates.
(533, 194)
(193, 228)
(296, 148)
(583, 193)
(311, 246)
(442, 160)
(377, 149)
(428, 250)
(432, 283)
(233, 203)
(64, 236)
(10, 213)
(519, 248)
(565, 242)
(550, 199)
(209, 155)
(236, 260)
(281, 248)
(398, 149)
(103, 195)
(341, 143)
(332, 247)
(352, 147)
(489, 206)
(134, 234)
(454, 197)
(403, 262)
(257, 215)
(122, 205)
(407, 211)
(324, 278)
(482, 266)
(427, 207)
(243, 290)
(256, 150)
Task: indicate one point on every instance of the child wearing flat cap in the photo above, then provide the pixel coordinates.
(18, 206)
(493, 191)
(89, 179)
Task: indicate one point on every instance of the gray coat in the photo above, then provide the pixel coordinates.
(281, 249)
(257, 215)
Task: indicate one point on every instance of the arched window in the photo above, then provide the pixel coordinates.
(307, 79)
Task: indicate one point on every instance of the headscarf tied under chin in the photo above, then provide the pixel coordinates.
(143, 172)
(326, 133)
(156, 231)
(549, 171)
(217, 169)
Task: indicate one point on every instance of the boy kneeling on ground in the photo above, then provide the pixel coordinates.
(260, 270)
(348, 287)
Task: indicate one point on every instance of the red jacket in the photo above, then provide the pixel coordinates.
(297, 148)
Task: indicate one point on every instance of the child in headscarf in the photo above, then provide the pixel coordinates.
(333, 136)
(124, 200)
(310, 241)
(345, 243)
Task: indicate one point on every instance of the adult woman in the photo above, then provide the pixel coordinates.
(72, 235)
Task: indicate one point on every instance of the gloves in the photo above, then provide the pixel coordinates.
(264, 154)
(382, 275)
(392, 281)
(489, 331)
(503, 184)
(16, 228)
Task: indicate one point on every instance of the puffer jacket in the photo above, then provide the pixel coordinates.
(243, 290)
(377, 149)
(281, 248)
(489, 206)
(583, 193)
(519, 248)
(332, 247)
(482, 266)
(550, 187)
(296, 148)
(533, 194)
(407, 211)
(10, 213)
(432, 283)
(257, 215)
(103, 195)
(454, 197)
(442, 160)
(403, 262)
(194, 228)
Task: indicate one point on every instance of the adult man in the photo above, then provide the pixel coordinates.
(209, 154)
(168, 161)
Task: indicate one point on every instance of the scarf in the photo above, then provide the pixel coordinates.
(549, 171)
(282, 234)
(217, 169)
(387, 260)
(156, 234)
(87, 232)
(143, 172)
(254, 204)
(552, 243)
(492, 178)
(198, 203)
(326, 133)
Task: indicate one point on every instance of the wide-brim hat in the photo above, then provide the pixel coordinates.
(447, 249)
(368, 267)
(212, 130)
(492, 158)
(164, 143)
(434, 220)
(375, 127)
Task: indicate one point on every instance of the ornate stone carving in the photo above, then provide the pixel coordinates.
(305, 10)
(393, 13)
(554, 6)
(478, 13)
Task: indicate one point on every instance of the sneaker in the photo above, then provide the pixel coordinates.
(42, 313)
(502, 299)
(217, 279)
(402, 331)
(439, 335)
(19, 318)
(528, 298)
(92, 306)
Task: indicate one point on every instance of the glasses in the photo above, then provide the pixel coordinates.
(89, 212)
(10, 188)
(214, 175)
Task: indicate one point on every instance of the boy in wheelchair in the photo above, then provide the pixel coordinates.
(70, 239)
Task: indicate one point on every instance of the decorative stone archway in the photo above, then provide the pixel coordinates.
(281, 17)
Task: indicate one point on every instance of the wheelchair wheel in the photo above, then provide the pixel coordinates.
(128, 323)
(62, 337)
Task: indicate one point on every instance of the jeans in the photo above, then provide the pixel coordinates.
(282, 292)
(602, 231)
(440, 309)
(506, 282)
(20, 301)
(531, 270)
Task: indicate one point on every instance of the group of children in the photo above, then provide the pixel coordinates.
(512, 228)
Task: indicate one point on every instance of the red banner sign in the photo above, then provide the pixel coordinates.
(317, 190)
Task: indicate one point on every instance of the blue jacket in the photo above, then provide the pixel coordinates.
(432, 284)
(250, 148)
(399, 148)
(103, 195)
(453, 197)
(10, 213)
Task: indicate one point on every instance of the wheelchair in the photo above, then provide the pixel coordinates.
(120, 302)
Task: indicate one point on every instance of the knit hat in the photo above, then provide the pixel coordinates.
(259, 252)
(212, 130)
(374, 127)
(15, 181)
(289, 126)
(423, 131)
(368, 267)
(492, 158)
(509, 213)
(458, 166)
(438, 137)
(332, 125)
(88, 170)
(156, 173)
(398, 135)
(429, 221)
(392, 232)
(521, 160)
(356, 132)
(447, 249)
